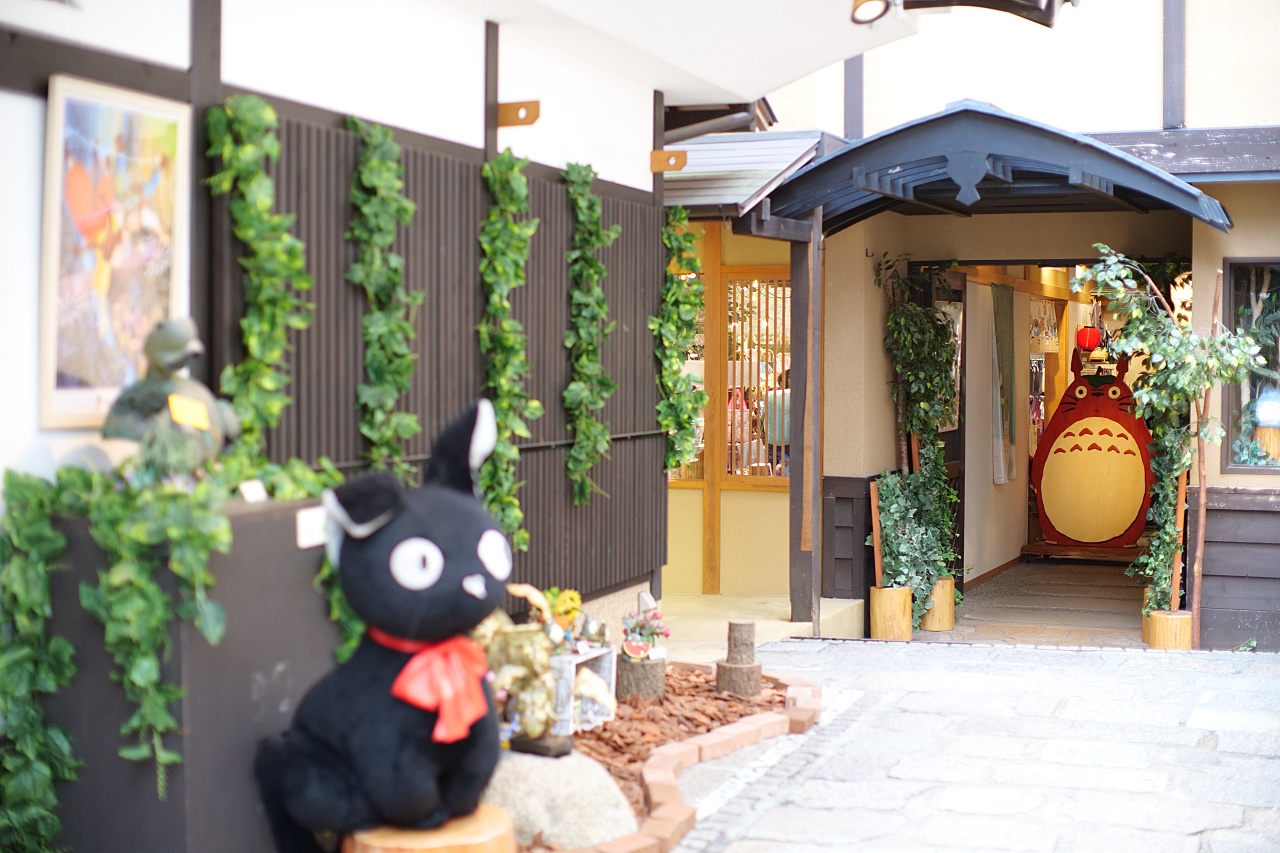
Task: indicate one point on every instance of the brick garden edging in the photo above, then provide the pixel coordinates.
(669, 816)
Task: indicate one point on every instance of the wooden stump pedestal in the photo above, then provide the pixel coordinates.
(1170, 630)
(739, 672)
(487, 830)
(643, 678)
(942, 616)
(891, 613)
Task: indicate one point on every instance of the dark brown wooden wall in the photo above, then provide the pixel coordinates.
(847, 561)
(1240, 596)
(616, 540)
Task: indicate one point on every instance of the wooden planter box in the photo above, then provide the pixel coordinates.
(279, 641)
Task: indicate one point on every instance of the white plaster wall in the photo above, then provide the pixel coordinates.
(815, 102)
(1255, 208)
(995, 517)
(23, 445)
(424, 70)
(588, 114)
(157, 31)
(1232, 63)
(1098, 69)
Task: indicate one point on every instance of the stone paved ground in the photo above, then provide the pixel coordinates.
(937, 747)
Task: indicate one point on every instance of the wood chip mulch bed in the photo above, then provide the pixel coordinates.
(691, 707)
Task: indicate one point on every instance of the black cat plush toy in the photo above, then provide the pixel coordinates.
(404, 733)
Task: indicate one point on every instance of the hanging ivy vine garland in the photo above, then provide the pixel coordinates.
(242, 135)
(33, 754)
(388, 323)
(590, 387)
(673, 332)
(504, 247)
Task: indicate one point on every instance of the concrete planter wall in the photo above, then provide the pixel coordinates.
(279, 640)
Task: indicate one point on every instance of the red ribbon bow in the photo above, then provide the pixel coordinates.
(446, 677)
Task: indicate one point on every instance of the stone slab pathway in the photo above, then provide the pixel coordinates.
(952, 747)
(1061, 602)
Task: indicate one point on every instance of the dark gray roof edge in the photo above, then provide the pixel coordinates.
(1197, 203)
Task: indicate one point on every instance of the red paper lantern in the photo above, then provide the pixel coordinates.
(1088, 338)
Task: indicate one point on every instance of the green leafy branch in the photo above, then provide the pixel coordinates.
(673, 329)
(504, 246)
(915, 546)
(389, 357)
(242, 134)
(33, 754)
(590, 387)
(921, 343)
(143, 528)
(1185, 366)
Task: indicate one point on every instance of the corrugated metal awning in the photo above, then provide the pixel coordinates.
(732, 172)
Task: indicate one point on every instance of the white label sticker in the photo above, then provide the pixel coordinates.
(253, 491)
(311, 527)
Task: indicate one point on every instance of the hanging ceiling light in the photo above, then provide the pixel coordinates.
(869, 11)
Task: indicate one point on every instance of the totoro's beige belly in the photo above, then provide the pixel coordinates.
(1094, 481)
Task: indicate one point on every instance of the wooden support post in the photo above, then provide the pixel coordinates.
(915, 452)
(875, 532)
(1175, 577)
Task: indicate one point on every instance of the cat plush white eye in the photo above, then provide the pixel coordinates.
(495, 554)
(416, 563)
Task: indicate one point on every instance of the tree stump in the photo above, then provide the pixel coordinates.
(643, 678)
(890, 613)
(739, 672)
(942, 616)
(1170, 629)
(486, 830)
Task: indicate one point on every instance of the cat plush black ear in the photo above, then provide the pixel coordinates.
(361, 507)
(462, 448)
(1077, 367)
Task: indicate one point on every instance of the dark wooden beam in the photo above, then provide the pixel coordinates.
(204, 92)
(805, 569)
(757, 223)
(490, 90)
(27, 61)
(659, 136)
(1175, 63)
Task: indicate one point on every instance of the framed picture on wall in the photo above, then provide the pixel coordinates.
(115, 234)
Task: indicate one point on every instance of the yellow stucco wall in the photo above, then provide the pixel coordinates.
(754, 531)
(1232, 63)
(683, 571)
(740, 250)
(858, 420)
(1045, 236)
(1255, 210)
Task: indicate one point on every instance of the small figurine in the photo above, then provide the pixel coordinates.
(179, 422)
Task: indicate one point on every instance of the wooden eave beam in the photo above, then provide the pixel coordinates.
(758, 223)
